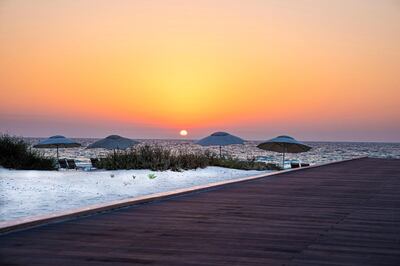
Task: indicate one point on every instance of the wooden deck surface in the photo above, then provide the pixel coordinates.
(340, 214)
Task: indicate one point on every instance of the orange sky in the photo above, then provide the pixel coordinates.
(319, 70)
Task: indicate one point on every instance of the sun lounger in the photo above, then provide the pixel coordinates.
(294, 165)
(71, 164)
(94, 161)
(62, 163)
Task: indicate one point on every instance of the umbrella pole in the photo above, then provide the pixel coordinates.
(220, 151)
(115, 159)
(284, 151)
(283, 156)
(57, 153)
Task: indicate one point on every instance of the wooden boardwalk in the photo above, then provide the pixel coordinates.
(340, 214)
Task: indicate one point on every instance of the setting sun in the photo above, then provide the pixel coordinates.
(183, 132)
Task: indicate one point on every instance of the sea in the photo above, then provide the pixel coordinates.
(321, 152)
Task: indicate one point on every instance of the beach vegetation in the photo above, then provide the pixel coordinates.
(249, 164)
(151, 176)
(15, 153)
(157, 158)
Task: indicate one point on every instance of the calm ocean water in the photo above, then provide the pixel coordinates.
(321, 152)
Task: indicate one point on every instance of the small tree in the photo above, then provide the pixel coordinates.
(15, 153)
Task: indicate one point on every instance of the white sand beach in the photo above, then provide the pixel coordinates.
(29, 193)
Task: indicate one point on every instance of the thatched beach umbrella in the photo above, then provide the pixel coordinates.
(113, 142)
(220, 139)
(57, 142)
(284, 144)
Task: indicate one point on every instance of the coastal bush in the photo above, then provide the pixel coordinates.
(249, 164)
(157, 158)
(151, 176)
(15, 153)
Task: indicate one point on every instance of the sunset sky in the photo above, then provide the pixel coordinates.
(317, 70)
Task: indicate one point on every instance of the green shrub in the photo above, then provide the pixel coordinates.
(250, 164)
(151, 176)
(157, 158)
(15, 153)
